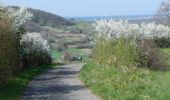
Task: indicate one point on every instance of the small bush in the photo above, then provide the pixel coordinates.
(162, 42)
(67, 57)
(152, 57)
(36, 50)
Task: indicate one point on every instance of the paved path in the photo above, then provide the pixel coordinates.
(59, 84)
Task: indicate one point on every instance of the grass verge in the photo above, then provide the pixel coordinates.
(122, 84)
(16, 86)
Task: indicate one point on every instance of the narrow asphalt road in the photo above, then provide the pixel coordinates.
(59, 84)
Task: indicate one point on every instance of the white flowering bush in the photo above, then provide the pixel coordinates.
(122, 44)
(20, 16)
(115, 29)
(36, 50)
(34, 41)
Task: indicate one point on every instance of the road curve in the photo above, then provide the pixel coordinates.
(58, 84)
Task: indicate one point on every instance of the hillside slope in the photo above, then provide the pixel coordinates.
(43, 18)
(57, 30)
(48, 19)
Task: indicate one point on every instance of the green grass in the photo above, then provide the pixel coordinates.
(14, 89)
(56, 54)
(73, 51)
(133, 84)
(111, 83)
(167, 50)
(76, 51)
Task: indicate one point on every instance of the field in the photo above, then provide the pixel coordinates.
(137, 84)
(72, 36)
(84, 53)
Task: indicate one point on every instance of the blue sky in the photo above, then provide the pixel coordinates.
(77, 8)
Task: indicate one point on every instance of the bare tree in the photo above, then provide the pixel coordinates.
(163, 14)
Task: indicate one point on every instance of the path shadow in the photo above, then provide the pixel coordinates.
(53, 89)
(56, 75)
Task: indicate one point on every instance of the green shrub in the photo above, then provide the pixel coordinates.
(118, 53)
(152, 57)
(124, 52)
(162, 42)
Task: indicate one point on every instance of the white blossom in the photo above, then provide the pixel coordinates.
(20, 16)
(115, 29)
(34, 42)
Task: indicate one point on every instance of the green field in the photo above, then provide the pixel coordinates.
(73, 51)
(133, 84)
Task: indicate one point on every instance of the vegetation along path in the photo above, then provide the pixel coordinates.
(59, 84)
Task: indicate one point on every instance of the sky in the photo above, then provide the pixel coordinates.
(84, 8)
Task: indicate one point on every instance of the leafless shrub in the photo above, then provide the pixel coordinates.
(163, 13)
(9, 58)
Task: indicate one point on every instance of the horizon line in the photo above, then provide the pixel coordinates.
(109, 16)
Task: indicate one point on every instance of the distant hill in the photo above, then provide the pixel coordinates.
(135, 18)
(43, 18)
(48, 19)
